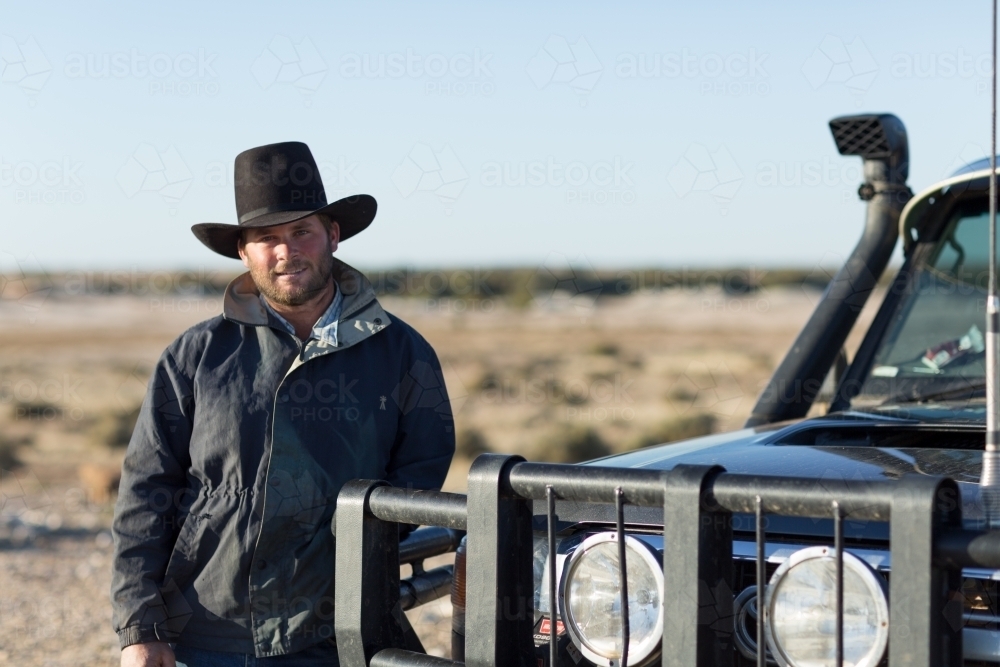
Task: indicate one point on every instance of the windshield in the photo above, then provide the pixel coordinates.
(935, 343)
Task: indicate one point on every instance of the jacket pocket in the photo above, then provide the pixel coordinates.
(183, 556)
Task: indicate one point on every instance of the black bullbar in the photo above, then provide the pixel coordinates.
(928, 547)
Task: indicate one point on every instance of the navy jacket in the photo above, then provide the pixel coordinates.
(246, 435)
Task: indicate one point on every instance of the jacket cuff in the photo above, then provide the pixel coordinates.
(137, 634)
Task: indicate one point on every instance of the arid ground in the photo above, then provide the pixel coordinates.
(556, 378)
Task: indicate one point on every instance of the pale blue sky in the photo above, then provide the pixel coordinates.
(662, 134)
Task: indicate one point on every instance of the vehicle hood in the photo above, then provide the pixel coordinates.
(774, 450)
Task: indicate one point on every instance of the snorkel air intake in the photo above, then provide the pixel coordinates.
(880, 140)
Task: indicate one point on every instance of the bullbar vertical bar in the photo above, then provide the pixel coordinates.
(550, 505)
(697, 572)
(761, 564)
(367, 587)
(499, 588)
(925, 615)
(838, 546)
(622, 570)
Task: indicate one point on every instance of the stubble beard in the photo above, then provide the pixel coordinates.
(266, 280)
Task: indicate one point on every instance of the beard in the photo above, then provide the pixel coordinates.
(319, 275)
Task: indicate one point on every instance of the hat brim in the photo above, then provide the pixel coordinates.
(353, 214)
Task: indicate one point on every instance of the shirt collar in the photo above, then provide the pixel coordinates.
(325, 329)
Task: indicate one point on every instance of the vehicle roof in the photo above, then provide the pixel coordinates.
(973, 175)
(976, 165)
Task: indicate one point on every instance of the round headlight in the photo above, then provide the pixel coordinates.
(800, 611)
(591, 599)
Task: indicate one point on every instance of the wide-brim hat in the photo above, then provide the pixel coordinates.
(278, 184)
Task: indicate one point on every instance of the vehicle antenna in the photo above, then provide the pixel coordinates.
(990, 481)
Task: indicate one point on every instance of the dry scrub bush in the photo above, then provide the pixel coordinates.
(569, 445)
(679, 428)
(9, 449)
(470, 443)
(113, 428)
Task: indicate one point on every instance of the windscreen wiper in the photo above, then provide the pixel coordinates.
(972, 389)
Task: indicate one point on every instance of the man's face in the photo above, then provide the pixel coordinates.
(291, 263)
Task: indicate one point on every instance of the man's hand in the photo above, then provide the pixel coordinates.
(153, 654)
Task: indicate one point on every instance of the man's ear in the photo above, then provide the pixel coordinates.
(334, 236)
(243, 253)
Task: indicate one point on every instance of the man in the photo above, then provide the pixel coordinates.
(251, 424)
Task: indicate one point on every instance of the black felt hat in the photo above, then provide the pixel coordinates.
(280, 183)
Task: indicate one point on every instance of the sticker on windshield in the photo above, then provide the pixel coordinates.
(944, 353)
(885, 371)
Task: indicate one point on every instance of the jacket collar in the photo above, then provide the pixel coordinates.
(242, 302)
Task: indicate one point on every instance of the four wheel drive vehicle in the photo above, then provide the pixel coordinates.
(863, 527)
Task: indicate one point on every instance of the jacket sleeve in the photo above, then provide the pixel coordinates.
(145, 526)
(425, 438)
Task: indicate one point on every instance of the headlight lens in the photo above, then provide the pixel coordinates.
(801, 611)
(592, 600)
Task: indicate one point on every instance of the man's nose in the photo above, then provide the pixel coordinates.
(285, 250)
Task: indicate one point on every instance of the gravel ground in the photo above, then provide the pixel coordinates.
(54, 601)
(432, 623)
(55, 577)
